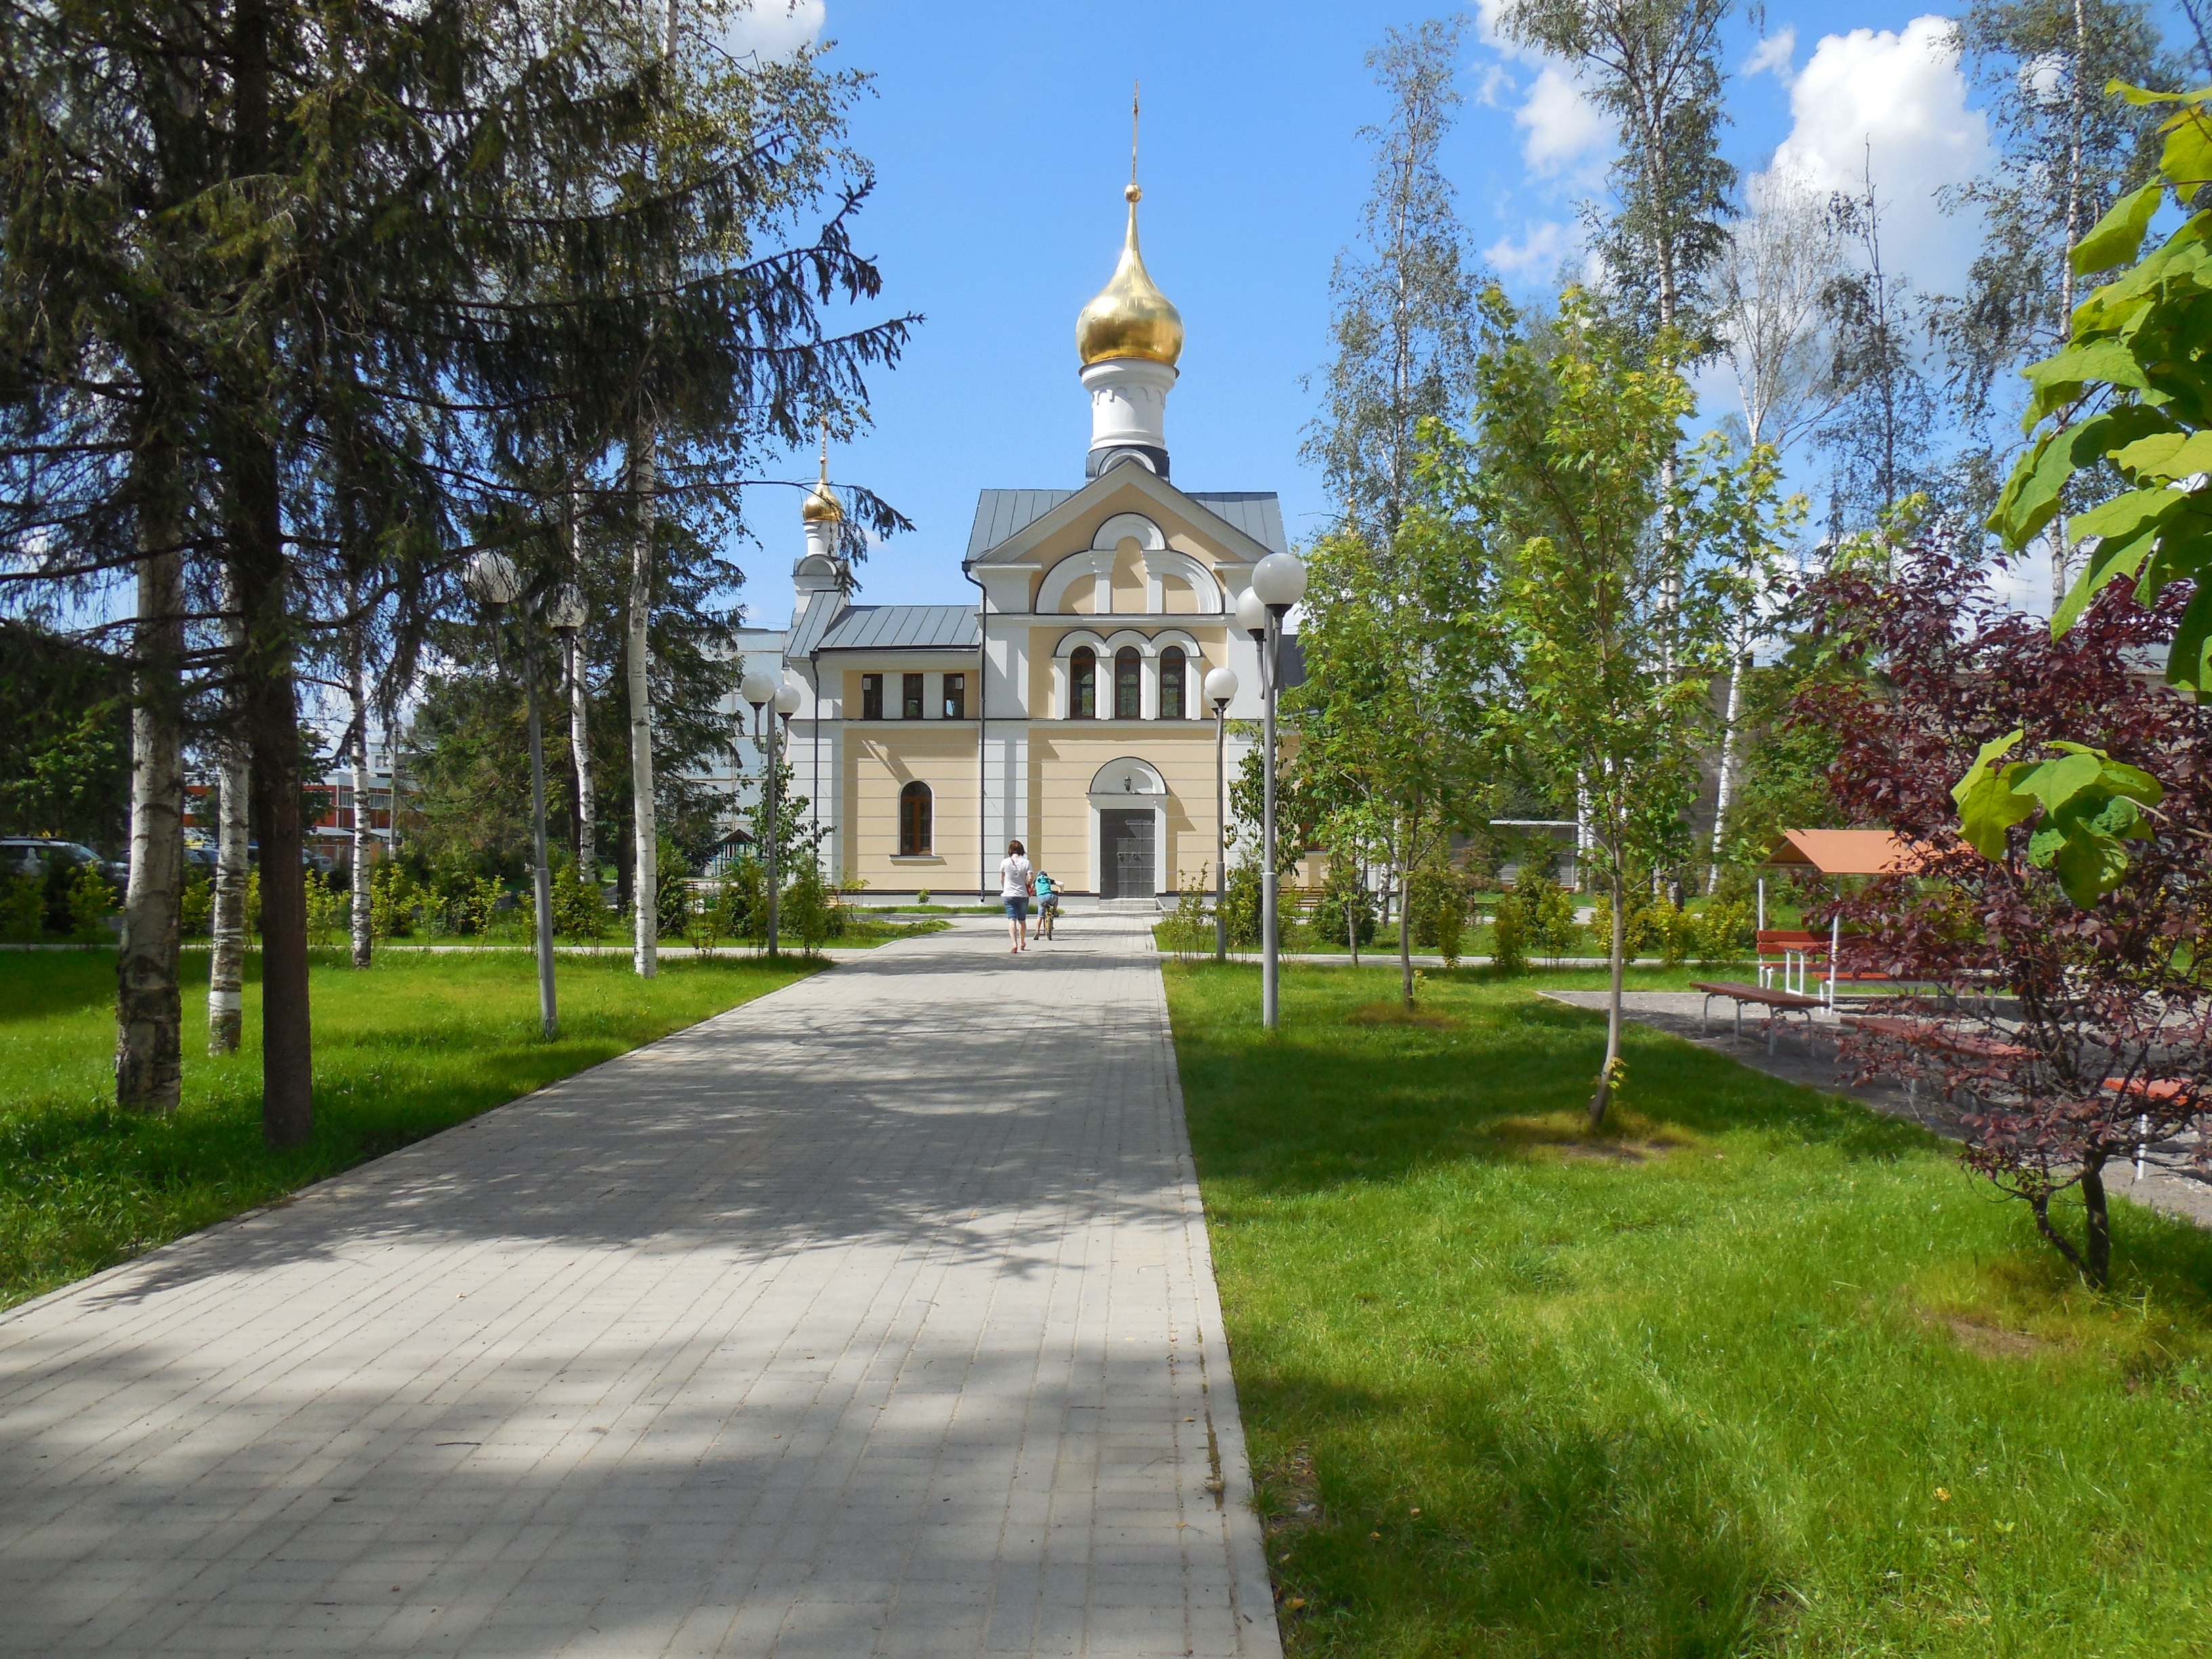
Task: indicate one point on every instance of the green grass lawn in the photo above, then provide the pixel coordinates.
(1760, 1372)
(412, 1046)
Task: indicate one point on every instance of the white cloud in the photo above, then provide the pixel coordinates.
(1488, 15)
(1541, 247)
(1774, 55)
(1566, 133)
(771, 29)
(1898, 101)
(1564, 127)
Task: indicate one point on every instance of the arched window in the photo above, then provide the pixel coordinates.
(914, 827)
(1171, 661)
(1083, 685)
(1128, 683)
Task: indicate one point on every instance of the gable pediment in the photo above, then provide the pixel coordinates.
(1075, 523)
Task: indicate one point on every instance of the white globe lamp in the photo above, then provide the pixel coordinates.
(493, 578)
(1280, 580)
(1251, 610)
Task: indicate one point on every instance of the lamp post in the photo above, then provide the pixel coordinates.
(785, 705)
(1278, 582)
(1220, 691)
(493, 578)
(760, 689)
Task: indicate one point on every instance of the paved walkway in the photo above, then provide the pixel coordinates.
(874, 1317)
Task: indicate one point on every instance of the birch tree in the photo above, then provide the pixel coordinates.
(357, 752)
(148, 1005)
(1403, 303)
(227, 917)
(2064, 153)
(1772, 287)
(1653, 65)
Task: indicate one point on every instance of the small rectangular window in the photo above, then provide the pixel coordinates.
(910, 696)
(956, 696)
(871, 696)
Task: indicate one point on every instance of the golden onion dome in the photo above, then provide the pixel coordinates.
(821, 506)
(1130, 317)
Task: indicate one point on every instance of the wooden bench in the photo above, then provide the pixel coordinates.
(1789, 950)
(1775, 1002)
(1802, 955)
(1927, 1034)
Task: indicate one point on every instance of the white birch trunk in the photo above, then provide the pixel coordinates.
(149, 1001)
(362, 840)
(227, 959)
(1725, 794)
(645, 877)
(580, 747)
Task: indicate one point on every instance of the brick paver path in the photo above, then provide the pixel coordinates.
(874, 1317)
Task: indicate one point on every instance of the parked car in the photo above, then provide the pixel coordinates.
(31, 855)
(309, 859)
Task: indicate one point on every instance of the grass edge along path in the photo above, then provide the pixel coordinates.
(1760, 1372)
(412, 1046)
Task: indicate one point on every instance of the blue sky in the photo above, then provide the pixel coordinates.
(999, 134)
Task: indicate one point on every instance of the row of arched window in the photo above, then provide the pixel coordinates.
(1128, 685)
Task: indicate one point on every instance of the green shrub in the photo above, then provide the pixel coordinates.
(22, 909)
(745, 902)
(1546, 911)
(672, 891)
(1509, 939)
(1725, 932)
(391, 901)
(805, 910)
(1661, 928)
(1437, 902)
(484, 894)
(703, 915)
(91, 901)
(1346, 911)
(922, 898)
(580, 907)
(1188, 930)
(196, 905)
(326, 908)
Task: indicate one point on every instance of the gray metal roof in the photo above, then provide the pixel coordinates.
(808, 627)
(1257, 513)
(1000, 514)
(900, 628)
(1003, 512)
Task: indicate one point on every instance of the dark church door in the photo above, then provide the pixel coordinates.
(1125, 849)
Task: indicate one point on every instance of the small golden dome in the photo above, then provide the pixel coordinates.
(1130, 317)
(821, 506)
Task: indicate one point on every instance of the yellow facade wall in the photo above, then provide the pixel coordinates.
(882, 760)
(1063, 760)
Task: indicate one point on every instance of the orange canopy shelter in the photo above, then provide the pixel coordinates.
(1846, 852)
(1841, 852)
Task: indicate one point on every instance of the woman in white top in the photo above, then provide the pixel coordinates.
(1015, 882)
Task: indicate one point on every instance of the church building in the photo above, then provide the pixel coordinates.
(1062, 705)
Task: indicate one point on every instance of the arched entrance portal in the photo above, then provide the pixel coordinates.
(1128, 811)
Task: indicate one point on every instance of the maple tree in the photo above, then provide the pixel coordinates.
(2071, 1029)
